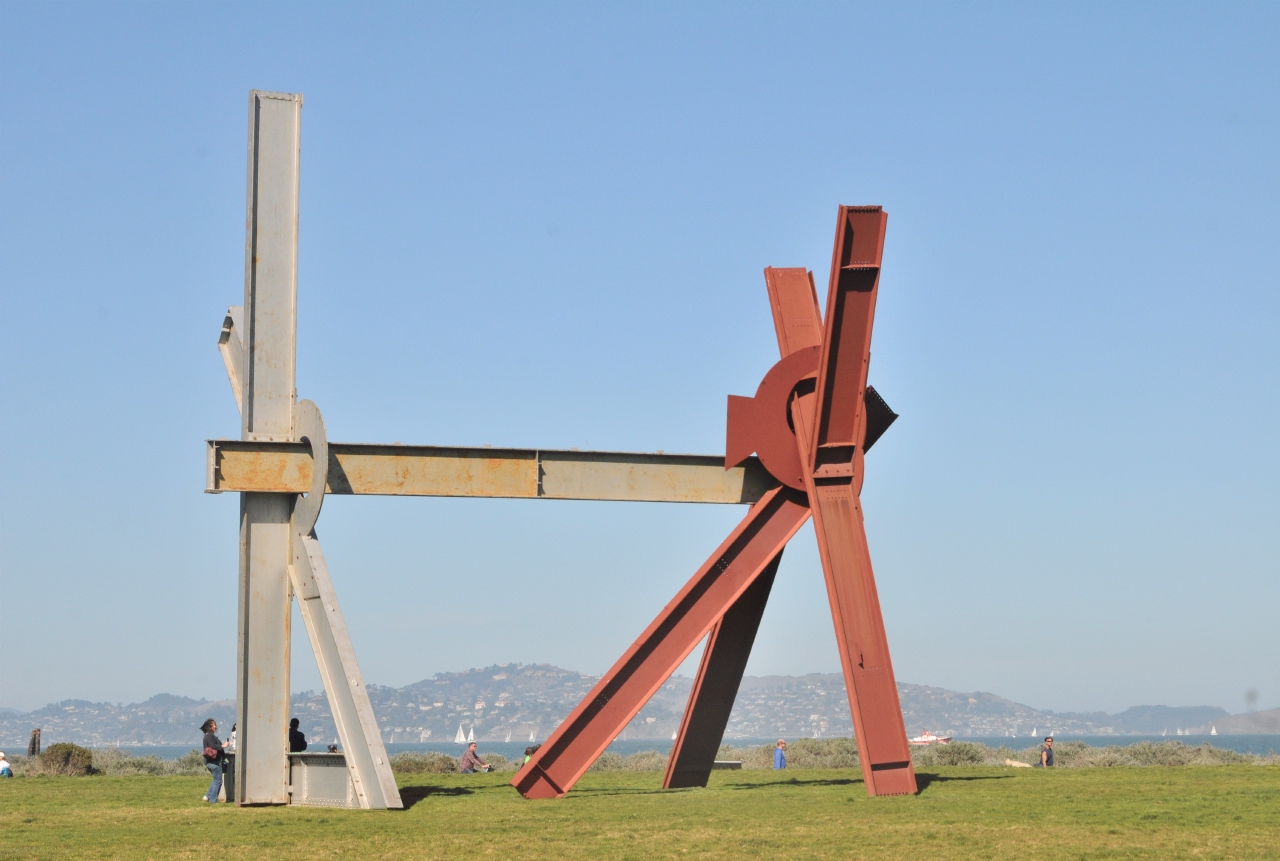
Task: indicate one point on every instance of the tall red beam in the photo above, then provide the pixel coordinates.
(835, 447)
(811, 421)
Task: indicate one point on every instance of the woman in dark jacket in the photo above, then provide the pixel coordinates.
(213, 763)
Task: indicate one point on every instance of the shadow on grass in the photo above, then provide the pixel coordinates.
(411, 795)
(923, 780)
(766, 784)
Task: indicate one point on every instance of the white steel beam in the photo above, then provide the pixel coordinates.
(362, 747)
(231, 347)
(266, 377)
(418, 470)
(353, 714)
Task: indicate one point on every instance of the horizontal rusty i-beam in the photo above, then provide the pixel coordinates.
(416, 470)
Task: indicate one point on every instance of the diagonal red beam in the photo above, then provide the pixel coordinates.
(797, 323)
(716, 685)
(622, 692)
(831, 429)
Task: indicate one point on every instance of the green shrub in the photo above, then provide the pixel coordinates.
(423, 763)
(801, 753)
(646, 760)
(955, 753)
(114, 761)
(67, 759)
(500, 762)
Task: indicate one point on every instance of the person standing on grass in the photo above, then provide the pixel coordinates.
(780, 755)
(214, 753)
(470, 761)
(1046, 753)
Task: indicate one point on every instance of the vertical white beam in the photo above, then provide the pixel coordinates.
(270, 301)
(271, 264)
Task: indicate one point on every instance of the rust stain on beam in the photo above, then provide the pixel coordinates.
(404, 470)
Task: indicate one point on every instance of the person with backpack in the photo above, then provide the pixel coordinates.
(214, 753)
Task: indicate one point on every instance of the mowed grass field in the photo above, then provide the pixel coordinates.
(1156, 813)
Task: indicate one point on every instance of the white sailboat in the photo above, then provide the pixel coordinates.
(1164, 732)
(471, 736)
(1213, 730)
(673, 736)
(531, 732)
(460, 738)
(508, 735)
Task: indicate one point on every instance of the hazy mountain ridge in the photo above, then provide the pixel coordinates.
(523, 699)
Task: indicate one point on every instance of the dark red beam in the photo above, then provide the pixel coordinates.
(622, 692)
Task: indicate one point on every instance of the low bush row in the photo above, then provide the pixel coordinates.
(73, 760)
(431, 762)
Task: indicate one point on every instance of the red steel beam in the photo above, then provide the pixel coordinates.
(724, 660)
(746, 554)
(797, 322)
(831, 430)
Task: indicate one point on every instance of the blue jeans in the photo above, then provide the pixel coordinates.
(215, 768)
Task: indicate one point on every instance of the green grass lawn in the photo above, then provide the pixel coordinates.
(1158, 813)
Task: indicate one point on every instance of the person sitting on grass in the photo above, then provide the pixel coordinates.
(780, 755)
(471, 761)
(6, 770)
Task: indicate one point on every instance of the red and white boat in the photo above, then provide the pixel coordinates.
(927, 737)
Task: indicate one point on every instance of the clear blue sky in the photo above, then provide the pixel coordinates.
(546, 227)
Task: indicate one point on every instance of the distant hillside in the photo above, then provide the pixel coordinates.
(163, 719)
(1253, 723)
(523, 700)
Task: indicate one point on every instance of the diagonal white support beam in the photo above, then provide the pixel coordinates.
(348, 699)
(231, 347)
(362, 746)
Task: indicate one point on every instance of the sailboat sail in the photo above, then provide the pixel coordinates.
(460, 738)
(471, 736)
(531, 738)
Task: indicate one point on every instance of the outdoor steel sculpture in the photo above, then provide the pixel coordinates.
(811, 421)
